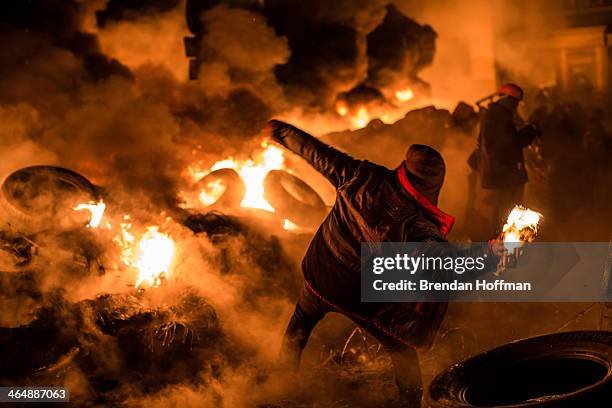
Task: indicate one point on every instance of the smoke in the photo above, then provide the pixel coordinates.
(101, 87)
(481, 41)
(139, 37)
(106, 96)
(312, 56)
(105, 80)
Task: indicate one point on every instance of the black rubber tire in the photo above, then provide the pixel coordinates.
(234, 187)
(571, 369)
(19, 191)
(293, 199)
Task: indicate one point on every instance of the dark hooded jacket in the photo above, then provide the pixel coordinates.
(501, 145)
(373, 204)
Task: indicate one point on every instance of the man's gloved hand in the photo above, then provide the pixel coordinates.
(274, 129)
(530, 131)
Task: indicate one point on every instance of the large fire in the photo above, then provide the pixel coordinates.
(522, 226)
(150, 256)
(252, 171)
(360, 116)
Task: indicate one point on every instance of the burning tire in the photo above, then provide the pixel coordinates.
(293, 199)
(572, 369)
(223, 187)
(32, 197)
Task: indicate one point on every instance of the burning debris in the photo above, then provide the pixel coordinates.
(521, 227)
(151, 345)
(151, 255)
(261, 183)
(251, 171)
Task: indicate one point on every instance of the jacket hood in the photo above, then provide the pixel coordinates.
(425, 169)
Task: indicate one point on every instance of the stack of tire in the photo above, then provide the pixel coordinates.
(291, 198)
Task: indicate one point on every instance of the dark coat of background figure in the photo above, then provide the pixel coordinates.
(501, 148)
(501, 164)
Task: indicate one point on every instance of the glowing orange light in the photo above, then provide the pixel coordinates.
(522, 226)
(341, 108)
(212, 192)
(404, 95)
(96, 210)
(361, 118)
(252, 171)
(151, 255)
(289, 226)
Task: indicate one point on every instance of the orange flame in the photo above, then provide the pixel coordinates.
(341, 108)
(361, 118)
(252, 171)
(404, 95)
(289, 226)
(212, 192)
(96, 210)
(151, 255)
(522, 226)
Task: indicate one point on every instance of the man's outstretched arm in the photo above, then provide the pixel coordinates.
(336, 166)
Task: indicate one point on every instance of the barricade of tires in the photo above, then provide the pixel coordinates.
(291, 198)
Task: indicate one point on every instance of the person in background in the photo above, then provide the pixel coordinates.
(373, 204)
(596, 148)
(501, 162)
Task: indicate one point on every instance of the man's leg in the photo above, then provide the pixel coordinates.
(308, 311)
(407, 375)
(405, 365)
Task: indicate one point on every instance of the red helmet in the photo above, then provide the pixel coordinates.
(512, 90)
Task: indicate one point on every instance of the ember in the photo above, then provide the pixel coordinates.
(404, 95)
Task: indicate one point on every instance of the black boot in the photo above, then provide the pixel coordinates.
(411, 398)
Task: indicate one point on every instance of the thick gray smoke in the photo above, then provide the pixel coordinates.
(104, 83)
(316, 54)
